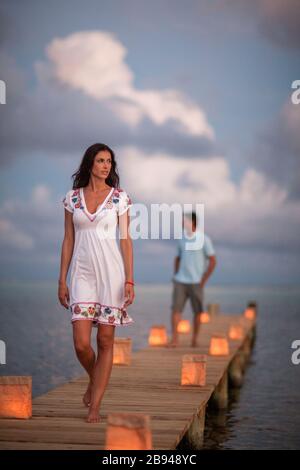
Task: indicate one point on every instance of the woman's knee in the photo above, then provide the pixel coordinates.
(82, 346)
(105, 341)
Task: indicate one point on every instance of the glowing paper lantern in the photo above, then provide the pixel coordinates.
(122, 351)
(184, 326)
(15, 397)
(236, 332)
(193, 370)
(204, 317)
(158, 336)
(250, 313)
(219, 345)
(128, 431)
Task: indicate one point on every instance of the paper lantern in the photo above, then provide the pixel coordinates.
(213, 309)
(122, 351)
(15, 397)
(236, 332)
(193, 370)
(184, 326)
(219, 345)
(204, 317)
(250, 313)
(128, 431)
(158, 336)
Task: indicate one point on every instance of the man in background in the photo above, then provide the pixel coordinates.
(192, 268)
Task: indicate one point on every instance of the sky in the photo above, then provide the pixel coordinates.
(195, 99)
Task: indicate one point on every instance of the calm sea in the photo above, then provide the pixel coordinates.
(263, 414)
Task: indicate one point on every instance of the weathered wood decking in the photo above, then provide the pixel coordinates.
(150, 385)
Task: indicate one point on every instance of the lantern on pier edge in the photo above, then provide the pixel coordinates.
(128, 431)
(184, 326)
(236, 332)
(205, 317)
(219, 345)
(158, 336)
(250, 311)
(16, 397)
(193, 369)
(122, 351)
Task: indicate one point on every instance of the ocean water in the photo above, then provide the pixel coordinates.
(263, 414)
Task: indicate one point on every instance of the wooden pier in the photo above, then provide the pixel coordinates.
(150, 385)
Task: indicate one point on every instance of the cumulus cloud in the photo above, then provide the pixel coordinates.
(59, 114)
(251, 213)
(248, 218)
(277, 151)
(94, 63)
(84, 90)
(186, 180)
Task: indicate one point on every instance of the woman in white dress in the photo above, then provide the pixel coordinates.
(101, 275)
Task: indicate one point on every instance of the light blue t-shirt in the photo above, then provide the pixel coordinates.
(192, 262)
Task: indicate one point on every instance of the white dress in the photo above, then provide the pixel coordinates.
(97, 274)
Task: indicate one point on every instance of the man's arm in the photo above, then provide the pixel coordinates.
(210, 268)
(176, 264)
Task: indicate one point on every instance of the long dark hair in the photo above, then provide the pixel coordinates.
(82, 175)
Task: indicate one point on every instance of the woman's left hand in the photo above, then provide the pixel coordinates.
(129, 295)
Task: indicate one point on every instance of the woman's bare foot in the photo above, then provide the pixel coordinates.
(93, 416)
(87, 396)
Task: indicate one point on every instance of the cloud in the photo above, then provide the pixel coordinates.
(94, 63)
(185, 180)
(277, 151)
(84, 93)
(255, 212)
(276, 20)
(12, 237)
(251, 216)
(280, 21)
(29, 225)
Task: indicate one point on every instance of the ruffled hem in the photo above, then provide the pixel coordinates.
(99, 313)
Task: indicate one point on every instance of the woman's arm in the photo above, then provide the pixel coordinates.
(66, 256)
(127, 254)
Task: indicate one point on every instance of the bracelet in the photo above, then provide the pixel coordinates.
(129, 282)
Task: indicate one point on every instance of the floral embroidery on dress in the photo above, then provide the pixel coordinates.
(100, 313)
(116, 196)
(73, 198)
(124, 203)
(114, 199)
(65, 202)
(109, 204)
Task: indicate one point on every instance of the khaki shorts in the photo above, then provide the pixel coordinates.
(181, 292)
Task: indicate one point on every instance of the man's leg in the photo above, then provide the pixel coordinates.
(197, 295)
(176, 317)
(178, 301)
(196, 329)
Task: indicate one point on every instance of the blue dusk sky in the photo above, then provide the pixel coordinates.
(194, 97)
